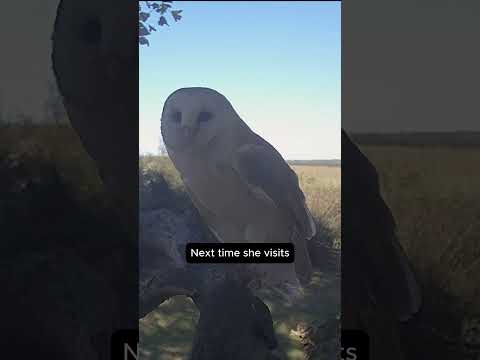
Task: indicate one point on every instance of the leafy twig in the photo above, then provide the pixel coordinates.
(145, 24)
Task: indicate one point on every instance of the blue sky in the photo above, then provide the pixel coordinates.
(277, 62)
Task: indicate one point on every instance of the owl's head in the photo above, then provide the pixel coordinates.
(92, 59)
(193, 117)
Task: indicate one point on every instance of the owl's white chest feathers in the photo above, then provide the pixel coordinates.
(218, 187)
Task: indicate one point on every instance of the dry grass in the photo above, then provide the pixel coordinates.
(56, 144)
(322, 188)
(435, 198)
(163, 166)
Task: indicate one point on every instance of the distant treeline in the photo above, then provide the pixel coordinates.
(331, 162)
(440, 139)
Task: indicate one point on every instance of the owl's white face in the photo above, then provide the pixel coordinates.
(193, 117)
(91, 60)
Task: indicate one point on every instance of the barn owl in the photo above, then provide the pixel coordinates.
(243, 188)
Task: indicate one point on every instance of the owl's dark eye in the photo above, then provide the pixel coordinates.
(204, 116)
(92, 31)
(177, 117)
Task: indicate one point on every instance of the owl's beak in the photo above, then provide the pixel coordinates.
(187, 131)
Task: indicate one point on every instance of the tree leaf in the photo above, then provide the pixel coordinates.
(143, 41)
(151, 28)
(176, 15)
(162, 21)
(163, 8)
(143, 16)
(142, 30)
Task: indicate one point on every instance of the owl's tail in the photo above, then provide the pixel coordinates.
(299, 273)
(303, 264)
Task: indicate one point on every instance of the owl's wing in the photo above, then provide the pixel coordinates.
(265, 172)
(263, 169)
(371, 252)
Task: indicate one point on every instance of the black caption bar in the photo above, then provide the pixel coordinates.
(355, 345)
(124, 345)
(207, 253)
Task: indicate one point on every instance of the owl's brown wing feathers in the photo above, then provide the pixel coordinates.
(263, 168)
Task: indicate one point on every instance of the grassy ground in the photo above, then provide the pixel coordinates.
(166, 333)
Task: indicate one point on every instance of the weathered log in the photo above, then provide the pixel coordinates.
(157, 287)
(234, 324)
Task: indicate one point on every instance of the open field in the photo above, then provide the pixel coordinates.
(434, 196)
(435, 199)
(455, 139)
(322, 187)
